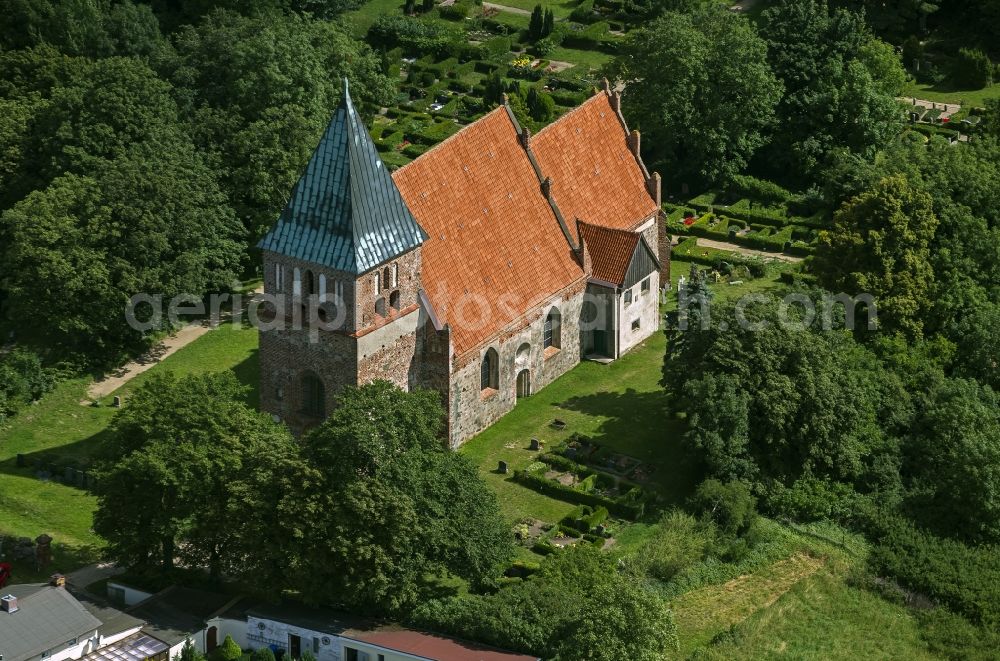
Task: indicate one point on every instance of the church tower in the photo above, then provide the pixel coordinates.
(342, 274)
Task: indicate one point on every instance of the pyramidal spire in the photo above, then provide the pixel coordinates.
(345, 212)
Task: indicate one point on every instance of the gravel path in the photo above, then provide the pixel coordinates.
(732, 247)
(512, 10)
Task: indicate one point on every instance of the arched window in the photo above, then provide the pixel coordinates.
(380, 306)
(552, 330)
(313, 396)
(387, 278)
(394, 300)
(490, 371)
(296, 281)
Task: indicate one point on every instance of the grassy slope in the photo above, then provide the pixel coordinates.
(29, 506)
(948, 94)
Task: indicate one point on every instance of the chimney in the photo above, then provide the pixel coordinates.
(8, 604)
(653, 186)
(57, 581)
(547, 187)
(633, 143)
(526, 137)
(606, 86)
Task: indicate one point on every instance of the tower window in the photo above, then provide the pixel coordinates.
(551, 331)
(489, 375)
(394, 276)
(394, 300)
(296, 282)
(313, 396)
(380, 306)
(279, 277)
(628, 297)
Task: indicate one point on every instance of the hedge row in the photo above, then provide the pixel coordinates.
(618, 507)
(583, 519)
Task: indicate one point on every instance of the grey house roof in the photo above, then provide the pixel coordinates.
(47, 617)
(345, 212)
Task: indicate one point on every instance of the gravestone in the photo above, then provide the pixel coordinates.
(502, 467)
(535, 445)
(117, 402)
(599, 530)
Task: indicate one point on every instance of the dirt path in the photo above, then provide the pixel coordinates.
(185, 336)
(512, 10)
(126, 373)
(732, 247)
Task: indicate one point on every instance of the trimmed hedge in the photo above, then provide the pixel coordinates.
(551, 488)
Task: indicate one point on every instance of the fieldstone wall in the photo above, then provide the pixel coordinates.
(472, 409)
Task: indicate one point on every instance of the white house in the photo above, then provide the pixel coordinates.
(332, 636)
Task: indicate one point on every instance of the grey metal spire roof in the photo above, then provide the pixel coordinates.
(345, 212)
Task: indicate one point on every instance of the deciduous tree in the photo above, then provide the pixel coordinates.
(700, 88)
(387, 506)
(880, 245)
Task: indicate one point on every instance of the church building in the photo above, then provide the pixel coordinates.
(484, 269)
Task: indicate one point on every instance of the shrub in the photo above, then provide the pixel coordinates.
(262, 654)
(680, 541)
(730, 505)
(496, 49)
(228, 651)
(760, 190)
(456, 12)
(584, 12)
(972, 68)
(811, 499)
(965, 578)
(22, 381)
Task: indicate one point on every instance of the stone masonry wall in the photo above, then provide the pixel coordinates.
(471, 409)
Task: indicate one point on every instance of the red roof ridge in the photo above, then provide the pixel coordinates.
(451, 138)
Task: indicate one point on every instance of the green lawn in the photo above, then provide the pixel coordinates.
(585, 59)
(560, 9)
(59, 424)
(362, 18)
(945, 93)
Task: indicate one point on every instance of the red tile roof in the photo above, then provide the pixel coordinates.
(610, 251)
(595, 177)
(493, 237)
(431, 646)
